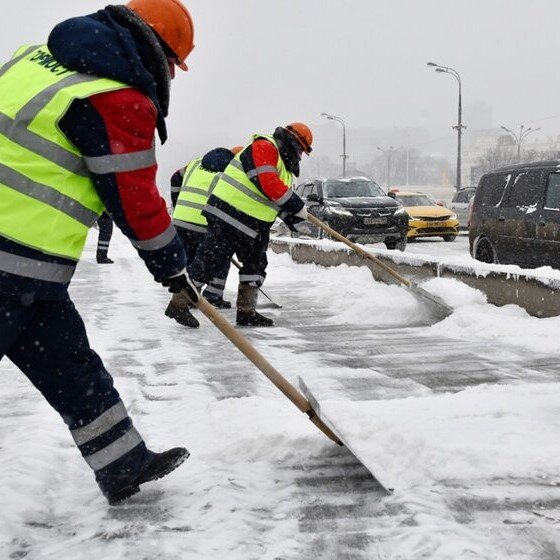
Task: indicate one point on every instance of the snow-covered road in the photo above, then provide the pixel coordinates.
(437, 247)
(262, 482)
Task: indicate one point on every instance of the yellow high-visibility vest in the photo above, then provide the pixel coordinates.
(198, 184)
(236, 188)
(47, 199)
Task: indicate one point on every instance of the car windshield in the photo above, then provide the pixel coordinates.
(416, 200)
(351, 189)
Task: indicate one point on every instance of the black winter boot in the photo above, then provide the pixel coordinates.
(104, 259)
(253, 320)
(218, 302)
(160, 465)
(247, 315)
(178, 309)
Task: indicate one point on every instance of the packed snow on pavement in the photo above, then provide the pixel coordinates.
(238, 496)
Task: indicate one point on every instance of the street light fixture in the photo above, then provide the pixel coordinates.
(344, 156)
(389, 154)
(523, 133)
(459, 128)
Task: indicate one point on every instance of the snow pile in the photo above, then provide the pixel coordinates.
(473, 319)
(351, 295)
(482, 432)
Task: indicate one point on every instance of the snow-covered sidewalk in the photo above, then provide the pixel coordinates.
(262, 482)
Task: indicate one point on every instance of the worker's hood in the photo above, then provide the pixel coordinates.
(115, 43)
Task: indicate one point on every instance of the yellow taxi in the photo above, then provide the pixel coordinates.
(426, 218)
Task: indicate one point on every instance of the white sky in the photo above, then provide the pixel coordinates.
(259, 64)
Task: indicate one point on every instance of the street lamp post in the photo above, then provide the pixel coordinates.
(523, 133)
(407, 164)
(344, 156)
(459, 128)
(389, 154)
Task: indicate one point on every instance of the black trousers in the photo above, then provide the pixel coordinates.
(192, 240)
(47, 341)
(105, 233)
(219, 245)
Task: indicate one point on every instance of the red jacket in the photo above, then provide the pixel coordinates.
(108, 126)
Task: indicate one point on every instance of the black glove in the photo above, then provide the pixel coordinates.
(292, 220)
(181, 282)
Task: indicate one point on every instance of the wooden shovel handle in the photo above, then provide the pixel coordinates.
(244, 346)
(358, 249)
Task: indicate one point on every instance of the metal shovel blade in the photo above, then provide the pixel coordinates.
(442, 309)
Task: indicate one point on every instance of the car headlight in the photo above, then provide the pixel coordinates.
(339, 210)
(452, 217)
(399, 212)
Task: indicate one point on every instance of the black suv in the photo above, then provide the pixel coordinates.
(515, 216)
(357, 208)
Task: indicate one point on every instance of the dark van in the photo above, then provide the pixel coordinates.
(515, 216)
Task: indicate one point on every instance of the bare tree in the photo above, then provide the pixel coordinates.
(497, 156)
(539, 155)
(504, 153)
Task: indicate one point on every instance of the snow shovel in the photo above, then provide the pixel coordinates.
(443, 309)
(246, 348)
(274, 304)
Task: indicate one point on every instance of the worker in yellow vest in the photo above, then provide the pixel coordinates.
(77, 122)
(254, 189)
(195, 183)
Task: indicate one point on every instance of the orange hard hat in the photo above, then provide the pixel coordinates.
(172, 23)
(302, 133)
(236, 150)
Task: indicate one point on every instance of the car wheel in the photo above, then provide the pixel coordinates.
(449, 238)
(396, 244)
(401, 244)
(485, 252)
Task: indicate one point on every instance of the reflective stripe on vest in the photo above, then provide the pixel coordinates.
(236, 188)
(20, 53)
(188, 225)
(47, 199)
(121, 163)
(232, 221)
(39, 270)
(197, 187)
(158, 242)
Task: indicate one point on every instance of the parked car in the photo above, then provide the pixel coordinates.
(460, 205)
(357, 208)
(515, 216)
(426, 217)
